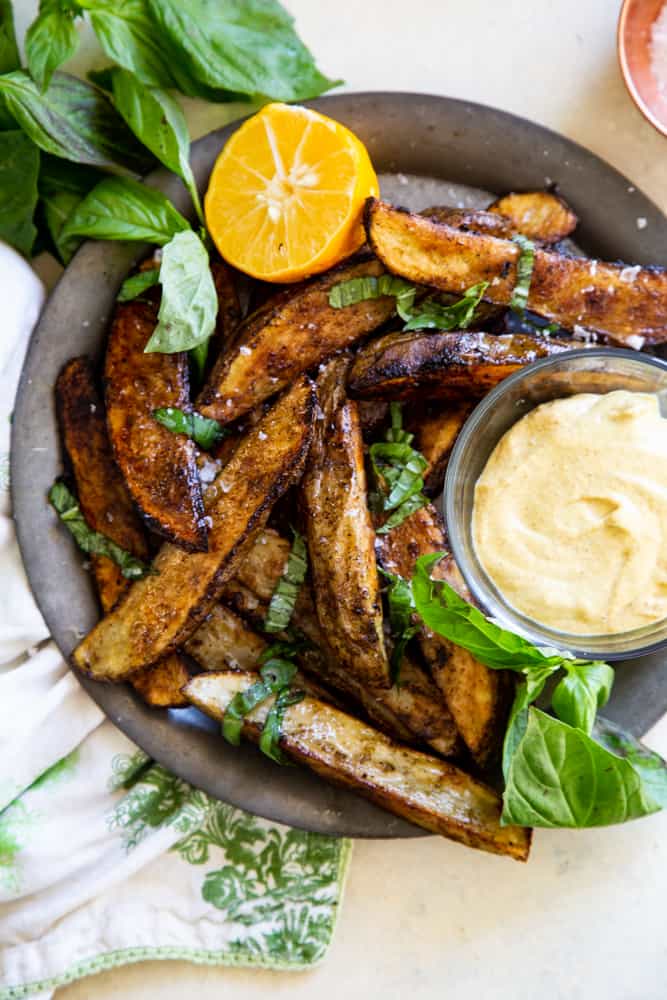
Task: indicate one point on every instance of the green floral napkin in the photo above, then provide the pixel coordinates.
(105, 857)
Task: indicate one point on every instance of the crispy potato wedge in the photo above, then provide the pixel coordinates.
(108, 508)
(627, 304)
(295, 330)
(340, 535)
(427, 791)
(436, 428)
(476, 696)
(229, 307)
(163, 609)
(224, 642)
(159, 467)
(471, 220)
(103, 497)
(454, 367)
(540, 215)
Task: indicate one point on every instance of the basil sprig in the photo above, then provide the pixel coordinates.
(204, 431)
(137, 284)
(283, 599)
(398, 469)
(275, 675)
(69, 512)
(9, 51)
(51, 39)
(524, 272)
(401, 620)
(559, 771)
(429, 314)
(122, 209)
(19, 169)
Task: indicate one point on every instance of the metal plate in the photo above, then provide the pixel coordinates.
(426, 148)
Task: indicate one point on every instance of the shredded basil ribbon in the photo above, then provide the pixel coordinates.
(269, 741)
(69, 512)
(204, 431)
(275, 677)
(524, 272)
(428, 314)
(283, 599)
(401, 611)
(398, 469)
(138, 283)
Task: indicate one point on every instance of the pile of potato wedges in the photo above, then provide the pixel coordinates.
(302, 388)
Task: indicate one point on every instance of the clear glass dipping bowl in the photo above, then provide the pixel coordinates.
(597, 370)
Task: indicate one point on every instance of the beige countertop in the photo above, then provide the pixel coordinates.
(426, 918)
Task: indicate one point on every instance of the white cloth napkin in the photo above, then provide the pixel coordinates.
(105, 857)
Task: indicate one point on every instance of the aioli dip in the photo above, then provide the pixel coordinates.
(570, 513)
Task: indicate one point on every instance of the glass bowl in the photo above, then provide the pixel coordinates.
(596, 370)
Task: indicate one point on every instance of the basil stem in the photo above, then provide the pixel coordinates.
(204, 431)
(69, 512)
(283, 599)
(524, 272)
(275, 675)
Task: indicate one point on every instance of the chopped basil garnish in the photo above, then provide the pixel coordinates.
(427, 315)
(398, 469)
(204, 431)
(286, 592)
(269, 741)
(401, 610)
(524, 272)
(275, 677)
(69, 512)
(138, 283)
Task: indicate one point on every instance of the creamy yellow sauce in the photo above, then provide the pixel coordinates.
(570, 513)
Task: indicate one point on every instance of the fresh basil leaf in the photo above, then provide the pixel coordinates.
(275, 675)
(397, 469)
(413, 503)
(129, 36)
(198, 357)
(57, 210)
(9, 51)
(19, 168)
(158, 122)
(283, 599)
(137, 284)
(204, 431)
(57, 175)
(444, 612)
(560, 777)
(355, 290)
(269, 741)
(527, 691)
(122, 209)
(69, 512)
(189, 303)
(246, 46)
(649, 765)
(401, 610)
(51, 39)
(524, 272)
(73, 120)
(584, 689)
(431, 315)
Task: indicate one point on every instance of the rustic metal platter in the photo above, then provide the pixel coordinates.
(428, 150)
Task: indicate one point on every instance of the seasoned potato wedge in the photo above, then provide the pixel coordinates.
(476, 696)
(340, 535)
(628, 304)
(103, 497)
(472, 220)
(425, 790)
(436, 428)
(229, 308)
(540, 215)
(163, 609)
(224, 642)
(454, 367)
(295, 330)
(107, 508)
(159, 467)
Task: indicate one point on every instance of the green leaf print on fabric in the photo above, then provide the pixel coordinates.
(154, 799)
(126, 769)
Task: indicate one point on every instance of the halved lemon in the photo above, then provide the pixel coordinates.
(286, 194)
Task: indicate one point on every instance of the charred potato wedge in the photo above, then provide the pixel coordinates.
(340, 535)
(159, 468)
(453, 367)
(476, 696)
(424, 790)
(162, 610)
(471, 220)
(540, 215)
(436, 428)
(295, 330)
(627, 304)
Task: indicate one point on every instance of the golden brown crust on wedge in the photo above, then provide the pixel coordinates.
(163, 609)
(455, 366)
(540, 215)
(295, 330)
(470, 220)
(102, 494)
(161, 685)
(625, 303)
(476, 696)
(427, 791)
(436, 428)
(340, 535)
(159, 467)
(224, 642)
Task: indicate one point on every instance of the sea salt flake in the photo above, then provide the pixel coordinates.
(629, 274)
(642, 222)
(244, 350)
